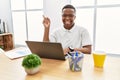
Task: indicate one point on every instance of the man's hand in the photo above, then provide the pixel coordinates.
(46, 22)
(66, 50)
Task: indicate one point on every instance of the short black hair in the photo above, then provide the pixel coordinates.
(69, 6)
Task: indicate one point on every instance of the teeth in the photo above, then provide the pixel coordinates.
(67, 22)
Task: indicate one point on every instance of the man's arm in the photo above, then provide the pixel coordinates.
(86, 49)
(46, 35)
(46, 23)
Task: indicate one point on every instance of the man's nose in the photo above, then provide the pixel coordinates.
(67, 17)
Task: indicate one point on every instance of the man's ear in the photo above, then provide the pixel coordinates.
(74, 17)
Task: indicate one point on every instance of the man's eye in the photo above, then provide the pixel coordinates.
(70, 15)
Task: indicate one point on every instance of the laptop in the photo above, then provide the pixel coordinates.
(48, 50)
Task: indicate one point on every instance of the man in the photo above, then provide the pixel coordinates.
(70, 35)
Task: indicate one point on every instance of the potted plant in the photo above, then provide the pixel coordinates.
(31, 63)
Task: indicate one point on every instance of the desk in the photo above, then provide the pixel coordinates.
(59, 70)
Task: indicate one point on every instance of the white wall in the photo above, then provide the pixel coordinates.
(5, 13)
(52, 9)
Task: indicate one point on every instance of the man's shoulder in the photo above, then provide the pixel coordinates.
(80, 27)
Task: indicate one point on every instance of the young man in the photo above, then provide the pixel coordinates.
(70, 35)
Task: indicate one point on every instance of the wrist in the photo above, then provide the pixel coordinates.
(47, 26)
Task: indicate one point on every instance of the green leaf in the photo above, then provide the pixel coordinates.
(31, 61)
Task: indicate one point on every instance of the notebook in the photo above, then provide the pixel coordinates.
(17, 52)
(48, 50)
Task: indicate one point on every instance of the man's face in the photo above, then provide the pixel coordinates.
(68, 17)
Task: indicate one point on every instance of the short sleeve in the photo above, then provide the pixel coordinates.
(86, 40)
